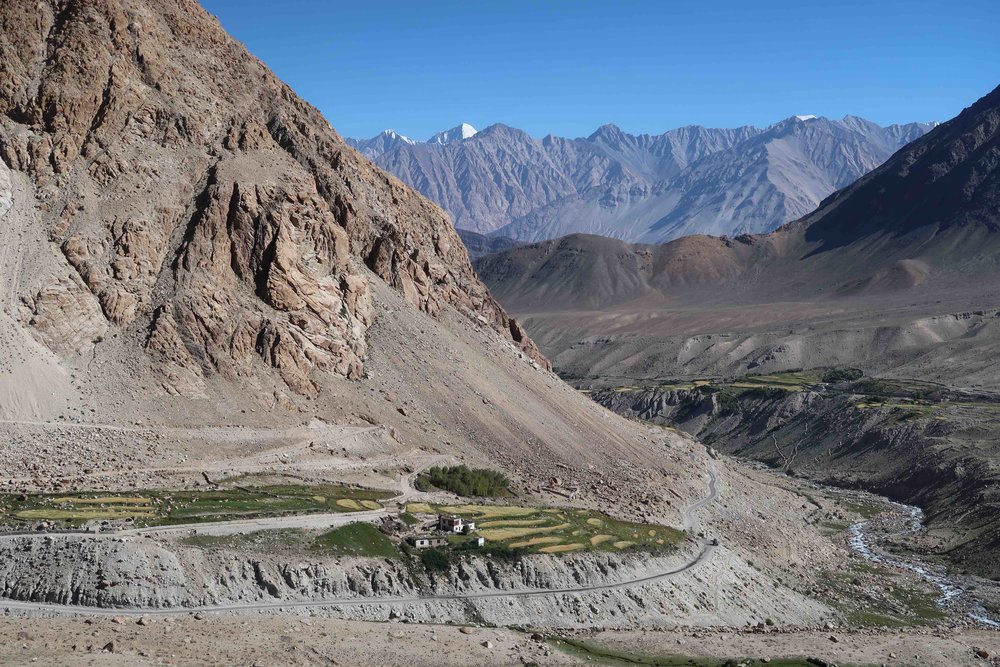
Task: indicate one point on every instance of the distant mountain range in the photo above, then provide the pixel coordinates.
(641, 188)
(897, 272)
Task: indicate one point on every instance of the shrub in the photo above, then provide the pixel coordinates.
(435, 560)
(728, 403)
(494, 551)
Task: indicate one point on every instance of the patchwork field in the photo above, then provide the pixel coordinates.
(556, 530)
(164, 508)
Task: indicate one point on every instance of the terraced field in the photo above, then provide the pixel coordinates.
(556, 530)
(164, 508)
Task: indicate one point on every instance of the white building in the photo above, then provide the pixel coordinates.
(451, 523)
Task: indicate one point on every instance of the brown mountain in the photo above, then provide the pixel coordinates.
(186, 241)
(881, 274)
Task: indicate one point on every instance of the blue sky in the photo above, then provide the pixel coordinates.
(566, 67)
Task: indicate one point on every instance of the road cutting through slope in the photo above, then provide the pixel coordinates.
(706, 548)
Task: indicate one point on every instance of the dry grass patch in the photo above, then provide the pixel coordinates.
(104, 500)
(507, 523)
(492, 511)
(598, 539)
(594, 521)
(560, 548)
(83, 514)
(419, 508)
(621, 544)
(511, 533)
(348, 503)
(536, 541)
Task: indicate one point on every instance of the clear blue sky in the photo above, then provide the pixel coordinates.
(569, 66)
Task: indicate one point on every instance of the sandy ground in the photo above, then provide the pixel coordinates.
(911, 647)
(274, 640)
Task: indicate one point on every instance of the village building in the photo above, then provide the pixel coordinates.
(426, 541)
(451, 523)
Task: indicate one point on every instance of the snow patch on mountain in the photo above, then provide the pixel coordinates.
(457, 133)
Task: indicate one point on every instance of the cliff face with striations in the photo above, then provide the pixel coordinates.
(201, 207)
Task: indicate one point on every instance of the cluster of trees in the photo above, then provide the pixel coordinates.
(835, 375)
(465, 481)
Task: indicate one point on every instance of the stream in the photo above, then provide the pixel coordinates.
(905, 520)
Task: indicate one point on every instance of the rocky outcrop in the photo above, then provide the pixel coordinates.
(202, 206)
(64, 316)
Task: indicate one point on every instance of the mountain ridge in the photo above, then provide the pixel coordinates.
(919, 231)
(641, 188)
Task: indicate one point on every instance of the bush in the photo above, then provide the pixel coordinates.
(493, 551)
(435, 560)
(728, 403)
(464, 481)
(835, 375)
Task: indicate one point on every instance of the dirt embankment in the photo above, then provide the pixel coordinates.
(150, 574)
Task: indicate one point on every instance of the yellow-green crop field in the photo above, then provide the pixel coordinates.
(556, 530)
(188, 506)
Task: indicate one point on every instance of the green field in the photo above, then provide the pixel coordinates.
(356, 539)
(556, 530)
(791, 381)
(164, 508)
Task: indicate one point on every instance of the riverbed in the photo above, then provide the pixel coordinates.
(901, 520)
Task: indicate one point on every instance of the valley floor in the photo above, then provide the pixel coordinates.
(304, 640)
(782, 582)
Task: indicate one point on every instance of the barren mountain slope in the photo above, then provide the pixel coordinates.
(896, 273)
(186, 242)
(777, 176)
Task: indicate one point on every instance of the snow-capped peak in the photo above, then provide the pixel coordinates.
(805, 117)
(393, 134)
(457, 133)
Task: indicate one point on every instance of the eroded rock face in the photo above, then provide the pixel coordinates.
(6, 190)
(202, 206)
(64, 315)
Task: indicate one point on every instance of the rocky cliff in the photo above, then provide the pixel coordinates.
(200, 207)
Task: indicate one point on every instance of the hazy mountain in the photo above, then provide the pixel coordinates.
(383, 142)
(777, 176)
(479, 244)
(647, 188)
(917, 238)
